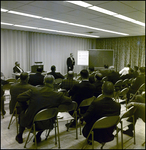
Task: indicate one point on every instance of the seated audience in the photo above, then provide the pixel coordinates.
(139, 104)
(55, 74)
(125, 70)
(17, 69)
(137, 83)
(18, 88)
(82, 90)
(38, 78)
(135, 73)
(69, 82)
(2, 101)
(39, 98)
(98, 109)
(129, 75)
(105, 71)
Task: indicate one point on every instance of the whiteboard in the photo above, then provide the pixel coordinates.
(83, 58)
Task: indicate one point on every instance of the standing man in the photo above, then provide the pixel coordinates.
(70, 62)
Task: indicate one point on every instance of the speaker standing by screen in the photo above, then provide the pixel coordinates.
(70, 62)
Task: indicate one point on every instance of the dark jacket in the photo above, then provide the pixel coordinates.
(56, 75)
(16, 69)
(36, 79)
(37, 99)
(70, 63)
(97, 110)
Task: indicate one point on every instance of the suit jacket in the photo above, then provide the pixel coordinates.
(15, 90)
(81, 91)
(36, 79)
(56, 75)
(16, 69)
(39, 98)
(97, 110)
(70, 63)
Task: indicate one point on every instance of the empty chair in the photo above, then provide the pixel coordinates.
(43, 115)
(84, 103)
(124, 123)
(103, 123)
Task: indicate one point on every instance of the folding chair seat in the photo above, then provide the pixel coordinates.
(124, 123)
(84, 103)
(43, 115)
(103, 123)
(14, 114)
(63, 115)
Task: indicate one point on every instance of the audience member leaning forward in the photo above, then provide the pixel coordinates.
(98, 109)
(39, 98)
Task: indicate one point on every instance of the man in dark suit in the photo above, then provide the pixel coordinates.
(38, 78)
(70, 62)
(18, 88)
(137, 83)
(39, 98)
(54, 73)
(17, 69)
(98, 109)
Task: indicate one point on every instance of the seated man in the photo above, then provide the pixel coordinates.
(39, 98)
(137, 83)
(125, 70)
(98, 109)
(18, 88)
(69, 82)
(38, 78)
(17, 69)
(54, 73)
(81, 91)
(139, 103)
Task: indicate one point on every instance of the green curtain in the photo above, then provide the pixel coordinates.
(127, 50)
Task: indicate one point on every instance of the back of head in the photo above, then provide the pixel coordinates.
(70, 74)
(142, 69)
(128, 65)
(84, 74)
(108, 88)
(106, 66)
(98, 76)
(39, 69)
(49, 79)
(53, 68)
(136, 68)
(91, 69)
(23, 76)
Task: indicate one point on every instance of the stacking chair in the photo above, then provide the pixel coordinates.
(125, 83)
(102, 123)
(57, 82)
(118, 87)
(84, 103)
(42, 115)
(16, 117)
(63, 113)
(124, 123)
(123, 94)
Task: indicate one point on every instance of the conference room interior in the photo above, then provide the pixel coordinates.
(28, 45)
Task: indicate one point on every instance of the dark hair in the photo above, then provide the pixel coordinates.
(136, 68)
(39, 69)
(84, 73)
(23, 76)
(128, 65)
(98, 76)
(53, 68)
(108, 88)
(106, 66)
(142, 69)
(91, 68)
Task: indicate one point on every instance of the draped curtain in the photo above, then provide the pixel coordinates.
(127, 50)
(29, 47)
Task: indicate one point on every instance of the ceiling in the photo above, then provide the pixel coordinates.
(69, 12)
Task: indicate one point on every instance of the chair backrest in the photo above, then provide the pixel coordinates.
(118, 83)
(100, 97)
(142, 88)
(11, 80)
(6, 86)
(58, 80)
(125, 82)
(124, 92)
(106, 122)
(66, 108)
(128, 113)
(87, 102)
(46, 114)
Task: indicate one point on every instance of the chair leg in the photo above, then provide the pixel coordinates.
(58, 135)
(27, 138)
(92, 140)
(55, 132)
(121, 134)
(11, 119)
(134, 130)
(117, 136)
(143, 143)
(102, 145)
(76, 125)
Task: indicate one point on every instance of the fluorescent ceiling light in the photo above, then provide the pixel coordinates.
(60, 21)
(24, 14)
(80, 3)
(25, 26)
(4, 10)
(6, 23)
(102, 10)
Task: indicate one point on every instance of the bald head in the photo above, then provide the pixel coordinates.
(107, 88)
(49, 79)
